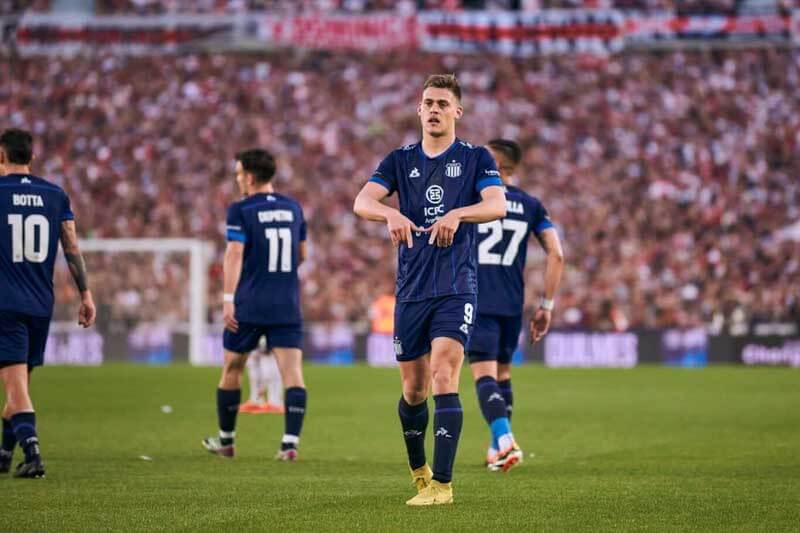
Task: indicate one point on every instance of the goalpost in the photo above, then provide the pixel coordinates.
(200, 255)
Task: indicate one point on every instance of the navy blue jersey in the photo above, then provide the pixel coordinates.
(31, 213)
(429, 187)
(502, 251)
(271, 226)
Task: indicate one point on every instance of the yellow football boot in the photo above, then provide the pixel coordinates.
(421, 477)
(434, 494)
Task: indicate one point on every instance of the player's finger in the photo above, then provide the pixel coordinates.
(409, 237)
(419, 230)
(393, 237)
(449, 234)
(445, 237)
(434, 234)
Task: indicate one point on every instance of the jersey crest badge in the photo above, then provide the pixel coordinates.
(452, 169)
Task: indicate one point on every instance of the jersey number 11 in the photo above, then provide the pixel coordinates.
(280, 243)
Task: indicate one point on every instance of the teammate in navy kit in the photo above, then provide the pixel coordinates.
(266, 235)
(441, 182)
(502, 250)
(34, 215)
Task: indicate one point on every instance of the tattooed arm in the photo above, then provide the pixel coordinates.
(77, 267)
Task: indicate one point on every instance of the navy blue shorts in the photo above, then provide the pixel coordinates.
(416, 324)
(278, 336)
(495, 338)
(22, 338)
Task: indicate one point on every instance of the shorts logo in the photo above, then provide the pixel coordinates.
(452, 169)
(414, 173)
(398, 346)
(434, 194)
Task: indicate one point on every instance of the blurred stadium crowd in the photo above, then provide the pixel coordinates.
(668, 174)
(150, 7)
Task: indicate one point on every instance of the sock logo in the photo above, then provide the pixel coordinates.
(295, 409)
(494, 396)
(442, 432)
(411, 433)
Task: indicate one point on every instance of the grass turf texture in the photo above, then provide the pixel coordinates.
(644, 449)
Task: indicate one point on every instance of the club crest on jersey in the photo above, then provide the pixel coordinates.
(414, 173)
(452, 169)
(434, 194)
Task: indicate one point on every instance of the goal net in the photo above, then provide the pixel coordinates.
(152, 300)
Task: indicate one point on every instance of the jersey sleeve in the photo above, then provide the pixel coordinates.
(66, 211)
(487, 174)
(540, 219)
(234, 225)
(385, 174)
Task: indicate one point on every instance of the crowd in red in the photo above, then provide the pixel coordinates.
(668, 175)
(151, 7)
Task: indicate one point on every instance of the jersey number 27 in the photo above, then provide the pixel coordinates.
(495, 230)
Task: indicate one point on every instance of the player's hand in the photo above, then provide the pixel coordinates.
(444, 230)
(229, 317)
(540, 323)
(87, 312)
(400, 228)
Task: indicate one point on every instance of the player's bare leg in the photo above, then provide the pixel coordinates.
(19, 410)
(447, 356)
(290, 364)
(229, 393)
(415, 376)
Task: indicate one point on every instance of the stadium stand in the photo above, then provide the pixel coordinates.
(669, 173)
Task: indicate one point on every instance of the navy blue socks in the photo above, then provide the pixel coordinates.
(295, 404)
(414, 420)
(9, 440)
(24, 425)
(447, 421)
(227, 409)
(493, 407)
(508, 396)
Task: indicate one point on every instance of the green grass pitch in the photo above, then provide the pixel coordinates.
(648, 449)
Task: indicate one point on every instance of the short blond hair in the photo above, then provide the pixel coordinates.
(444, 81)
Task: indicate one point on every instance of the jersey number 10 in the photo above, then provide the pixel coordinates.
(23, 238)
(280, 243)
(495, 230)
